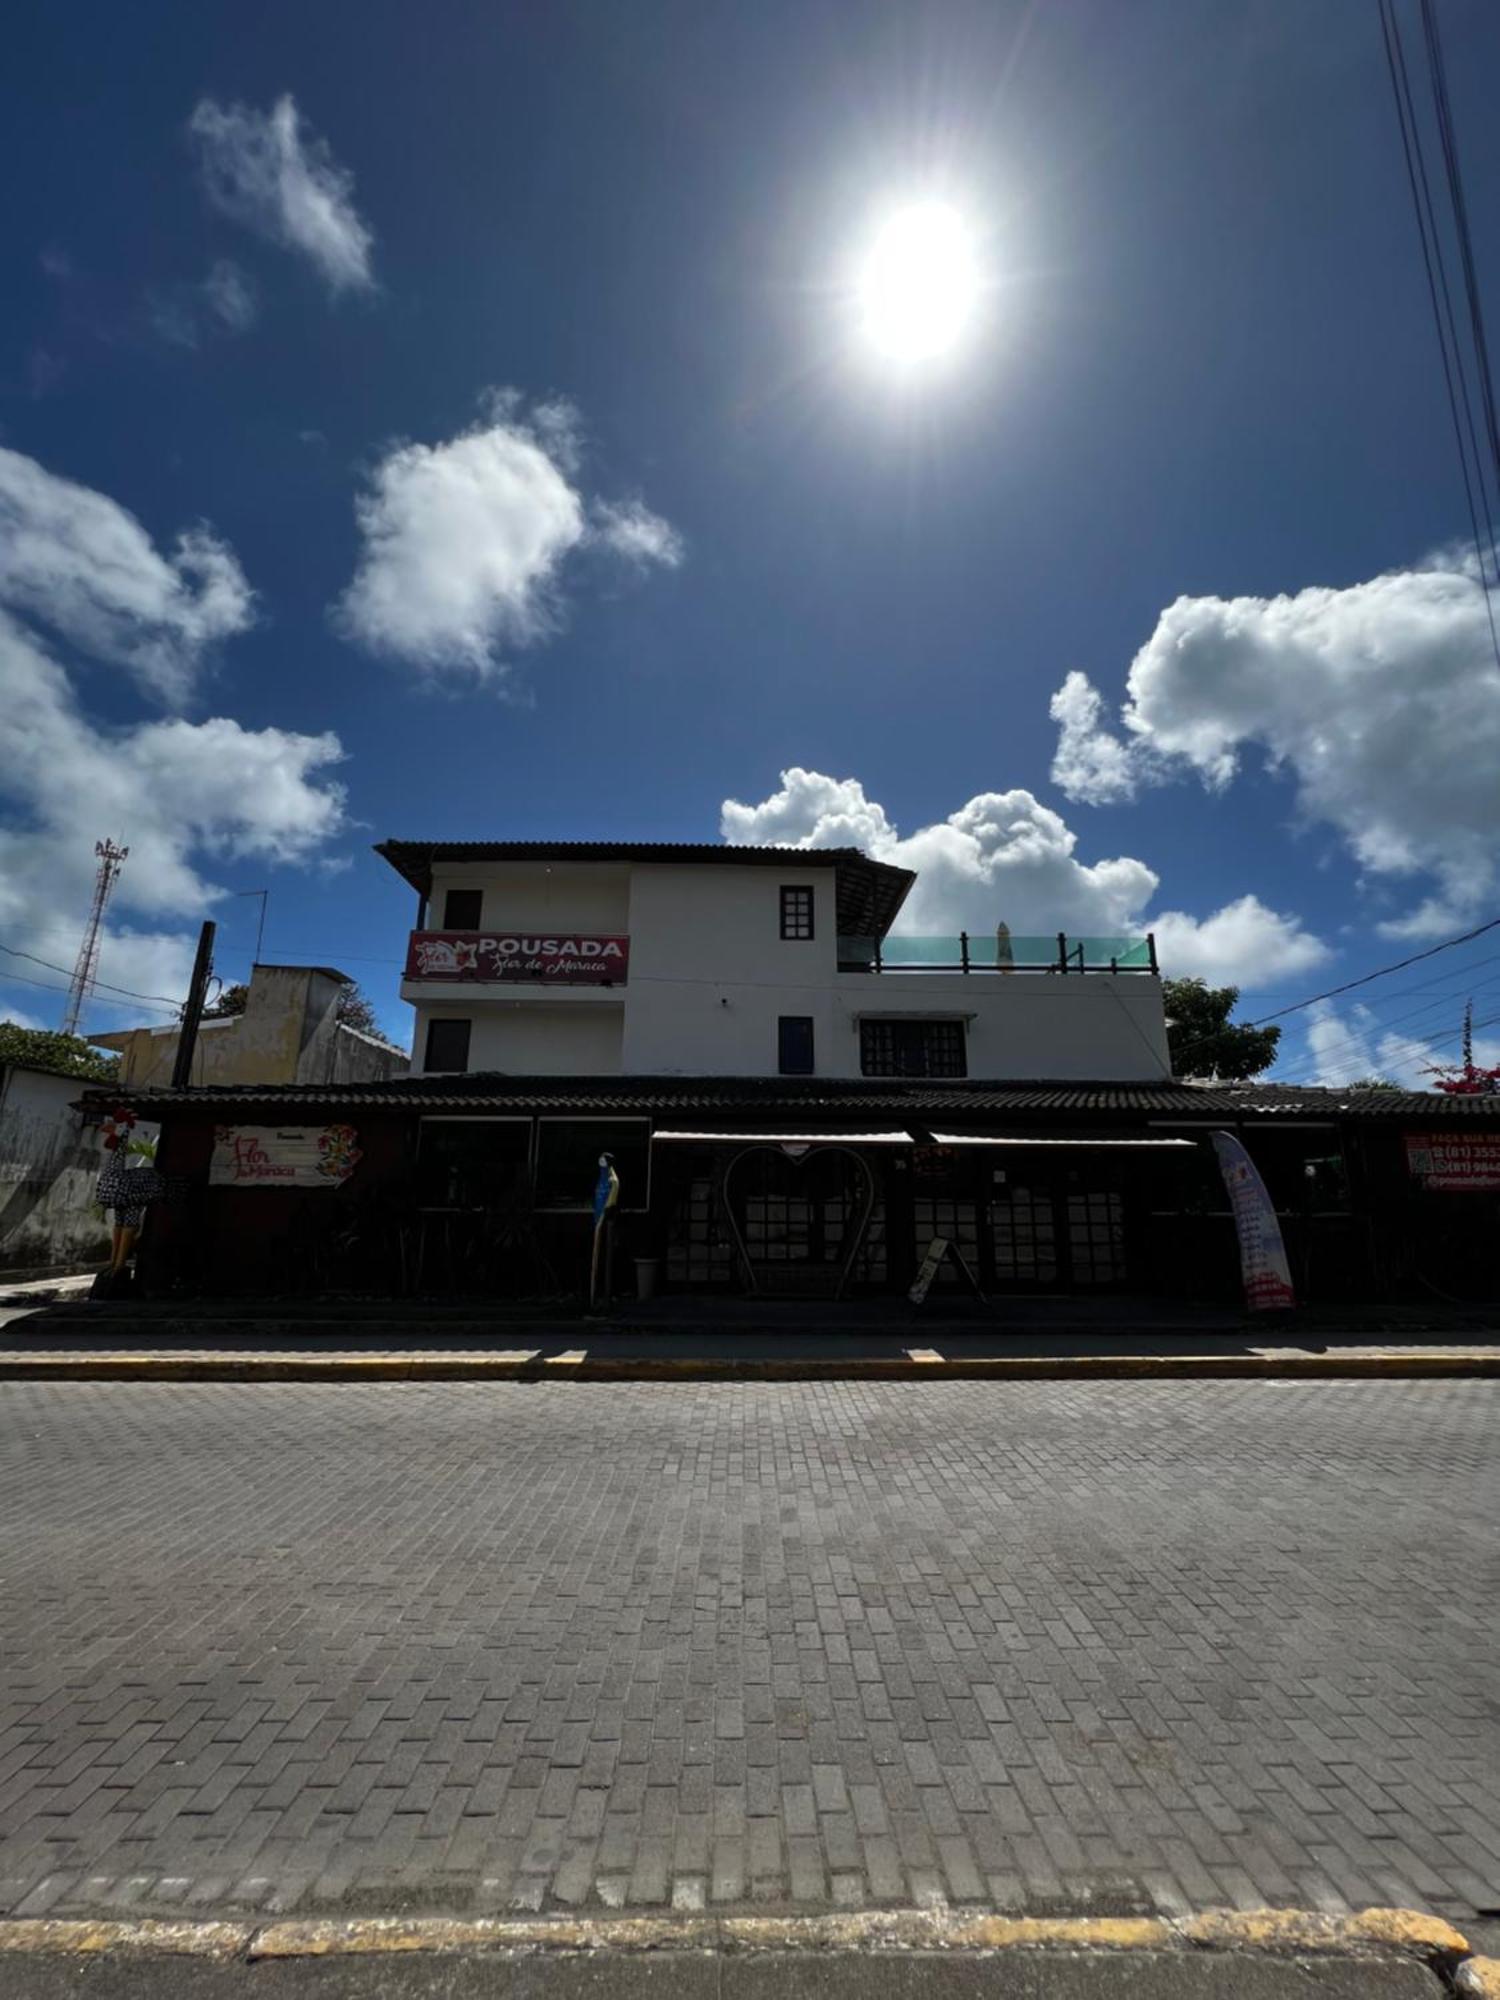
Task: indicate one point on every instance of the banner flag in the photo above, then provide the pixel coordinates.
(1263, 1265)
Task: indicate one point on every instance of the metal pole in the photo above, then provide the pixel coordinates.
(963, 949)
(260, 928)
(192, 1013)
(1151, 947)
(1062, 951)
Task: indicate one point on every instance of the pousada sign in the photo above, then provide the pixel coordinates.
(561, 958)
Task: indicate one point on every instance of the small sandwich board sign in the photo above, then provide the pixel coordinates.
(939, 1248)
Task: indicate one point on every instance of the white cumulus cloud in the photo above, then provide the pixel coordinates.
(1005, 857)
(75, 560)
(1381, 700)
(264, 170)
(464, 542)
(182, 796)
(1244, 944)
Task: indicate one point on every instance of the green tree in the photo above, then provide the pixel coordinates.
(231, 1000)
(355, 1011)
(1204, 1041)
(69, 1055)
(1370, 1083)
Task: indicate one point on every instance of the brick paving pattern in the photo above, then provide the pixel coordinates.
(479, 1647)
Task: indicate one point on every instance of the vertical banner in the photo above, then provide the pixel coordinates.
(1263, 1265)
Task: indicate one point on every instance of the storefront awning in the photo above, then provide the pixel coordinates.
(984, 1139)
(793, 1138)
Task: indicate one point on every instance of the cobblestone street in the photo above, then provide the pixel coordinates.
(469, 1647)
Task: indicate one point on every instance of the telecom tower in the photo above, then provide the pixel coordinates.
(87, 966)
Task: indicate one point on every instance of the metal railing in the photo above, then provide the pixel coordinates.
(992, 952)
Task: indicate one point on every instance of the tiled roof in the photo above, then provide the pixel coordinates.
(835, 1098)
(869, 892)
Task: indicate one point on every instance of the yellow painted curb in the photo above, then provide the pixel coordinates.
(1372, 1933)
(318, 1938)
(57, 1936)
(1405, 1931)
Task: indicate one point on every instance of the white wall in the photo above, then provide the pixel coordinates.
(710, 976)
(50, 1163)
(537, 895)
(532, 1037)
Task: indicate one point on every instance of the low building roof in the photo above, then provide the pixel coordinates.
(869, 893)
(835, 1098)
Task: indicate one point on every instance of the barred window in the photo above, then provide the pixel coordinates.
(912, 1048)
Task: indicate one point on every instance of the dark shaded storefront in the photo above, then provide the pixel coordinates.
(480, 1186)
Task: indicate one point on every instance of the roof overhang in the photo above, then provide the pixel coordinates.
(783, 1138)
(1029, 1139)
(869, 893)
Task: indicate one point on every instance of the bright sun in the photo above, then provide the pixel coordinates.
(920, 284)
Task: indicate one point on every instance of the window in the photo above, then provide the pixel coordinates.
(472, 1162)
(461, 909)
(567, 1160)
(912, 1048)
(796, 913)
(447, 1045)
(794, 1045)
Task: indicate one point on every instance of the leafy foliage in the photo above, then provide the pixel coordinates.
(355, 1011)
(231, 1001)
(1204, 1041)
(69, 1055)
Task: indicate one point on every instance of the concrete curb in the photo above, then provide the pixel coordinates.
(579, 1365)
(1375, 1933)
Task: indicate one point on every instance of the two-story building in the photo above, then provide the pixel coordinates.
(636, 959)
(798, 1099)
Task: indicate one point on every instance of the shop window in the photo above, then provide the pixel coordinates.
(472, 1163)
(567, 1160)
(912, 1048)
(794, 1045)
(796, 913)
(447, 1045)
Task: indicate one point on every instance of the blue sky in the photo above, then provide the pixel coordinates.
(538, 481)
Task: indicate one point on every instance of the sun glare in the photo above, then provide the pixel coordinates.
(919, 288)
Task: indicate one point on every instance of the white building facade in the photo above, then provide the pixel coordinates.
(623, 959)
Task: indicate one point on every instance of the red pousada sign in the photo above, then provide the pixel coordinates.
(554, 958)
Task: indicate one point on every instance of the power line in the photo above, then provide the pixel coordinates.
(1454, 379)
(1446, 134)
(1349, 986)
(1357, 1041)
(14, 951)
(1381, 972)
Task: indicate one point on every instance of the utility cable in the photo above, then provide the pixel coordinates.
(1442, 309)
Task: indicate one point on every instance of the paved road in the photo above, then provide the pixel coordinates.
(486, 1647)
(1019, 1976)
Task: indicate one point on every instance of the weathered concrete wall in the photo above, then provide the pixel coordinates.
(50, 1163)
(288, 1033)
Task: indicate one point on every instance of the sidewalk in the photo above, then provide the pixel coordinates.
(731, 1341)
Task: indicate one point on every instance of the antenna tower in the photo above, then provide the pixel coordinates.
(87, 966)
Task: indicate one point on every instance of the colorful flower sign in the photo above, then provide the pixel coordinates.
(283, 1155)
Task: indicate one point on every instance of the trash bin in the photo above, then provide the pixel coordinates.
(647, 1276)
